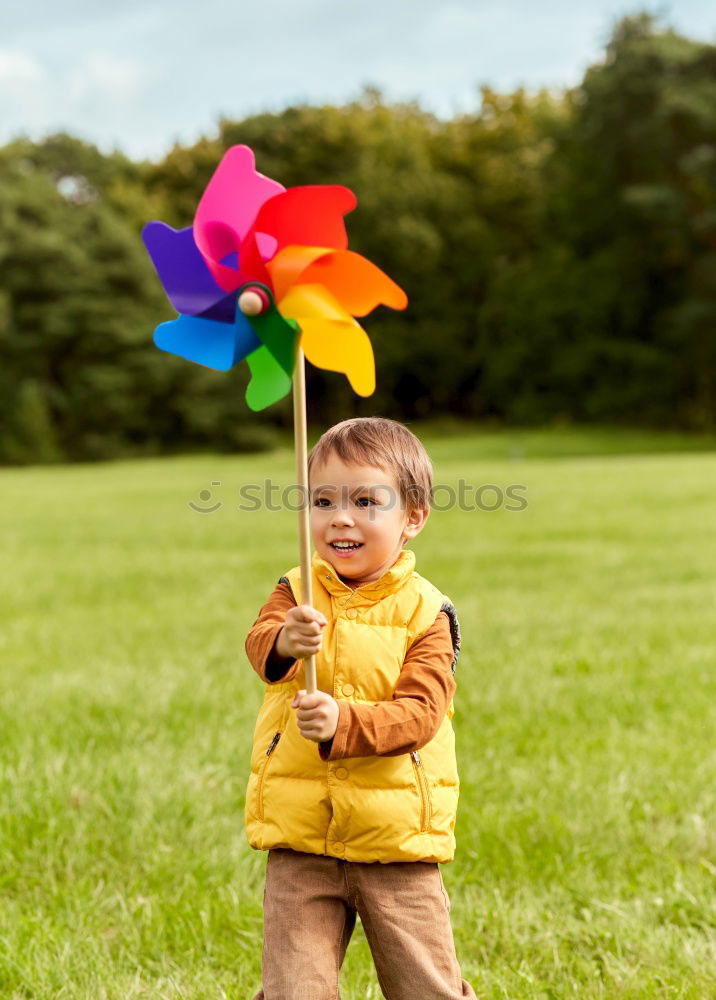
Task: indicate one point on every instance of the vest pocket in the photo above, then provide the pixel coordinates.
(424, 789)
(262, 776)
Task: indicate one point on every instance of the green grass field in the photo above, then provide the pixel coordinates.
(586, 711)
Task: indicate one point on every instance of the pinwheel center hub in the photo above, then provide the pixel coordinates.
(253, 301)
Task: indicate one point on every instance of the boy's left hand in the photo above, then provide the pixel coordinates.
(317, 715)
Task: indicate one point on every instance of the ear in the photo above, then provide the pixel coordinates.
(415, 522)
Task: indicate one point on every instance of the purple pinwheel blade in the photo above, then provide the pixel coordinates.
(222, 311)
(188, 282)
(205, 342)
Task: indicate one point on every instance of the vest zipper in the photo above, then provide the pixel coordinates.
(425, 812)
(262, 775)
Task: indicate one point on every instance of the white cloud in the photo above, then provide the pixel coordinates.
(141, 73)
(19, 68)
(104, 76)
(24, 86)
(97, 96)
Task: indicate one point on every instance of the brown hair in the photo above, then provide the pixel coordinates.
(386, 444)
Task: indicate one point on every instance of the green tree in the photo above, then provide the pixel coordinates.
(80, 377)
(622, 293)
(558, 251)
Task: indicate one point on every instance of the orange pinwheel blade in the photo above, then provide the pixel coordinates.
(289, 264)
(353, 280)
(330, 337)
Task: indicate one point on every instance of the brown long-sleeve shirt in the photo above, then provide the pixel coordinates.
(387, 728)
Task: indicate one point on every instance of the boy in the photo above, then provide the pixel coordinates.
(353, 790)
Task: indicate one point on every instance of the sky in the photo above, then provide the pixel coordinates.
(140, 75)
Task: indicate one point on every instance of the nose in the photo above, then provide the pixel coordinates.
(341, 516)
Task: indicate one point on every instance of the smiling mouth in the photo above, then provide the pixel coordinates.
(345, 548)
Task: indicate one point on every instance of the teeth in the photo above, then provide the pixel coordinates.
(345, 545)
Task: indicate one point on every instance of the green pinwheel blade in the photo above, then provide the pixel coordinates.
(279, 335)
(269, 382)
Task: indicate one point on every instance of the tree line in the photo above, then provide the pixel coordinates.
(558, 251)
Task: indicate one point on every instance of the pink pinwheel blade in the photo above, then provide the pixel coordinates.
(227, 211)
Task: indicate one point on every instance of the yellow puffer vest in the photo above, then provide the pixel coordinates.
(384, 809)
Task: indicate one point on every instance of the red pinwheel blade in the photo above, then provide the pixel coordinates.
(307, 216)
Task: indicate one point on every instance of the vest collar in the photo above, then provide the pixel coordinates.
(392, 580)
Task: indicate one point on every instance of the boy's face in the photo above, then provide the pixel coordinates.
(359, 504)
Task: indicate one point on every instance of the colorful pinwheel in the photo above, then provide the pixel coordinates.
(288, 250)
(265, 274)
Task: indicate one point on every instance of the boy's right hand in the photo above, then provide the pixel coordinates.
(301, 633)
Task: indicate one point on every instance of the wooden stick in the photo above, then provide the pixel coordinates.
(304, 524)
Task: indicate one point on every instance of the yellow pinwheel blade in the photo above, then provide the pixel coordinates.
(340, 347)
(330, 337)
(311, 302)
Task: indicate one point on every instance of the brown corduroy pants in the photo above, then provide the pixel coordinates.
(310, 907)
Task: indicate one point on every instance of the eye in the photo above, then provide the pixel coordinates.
(365, 501)
(322, 502)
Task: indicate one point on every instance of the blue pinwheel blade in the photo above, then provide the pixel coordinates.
(205, 342)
